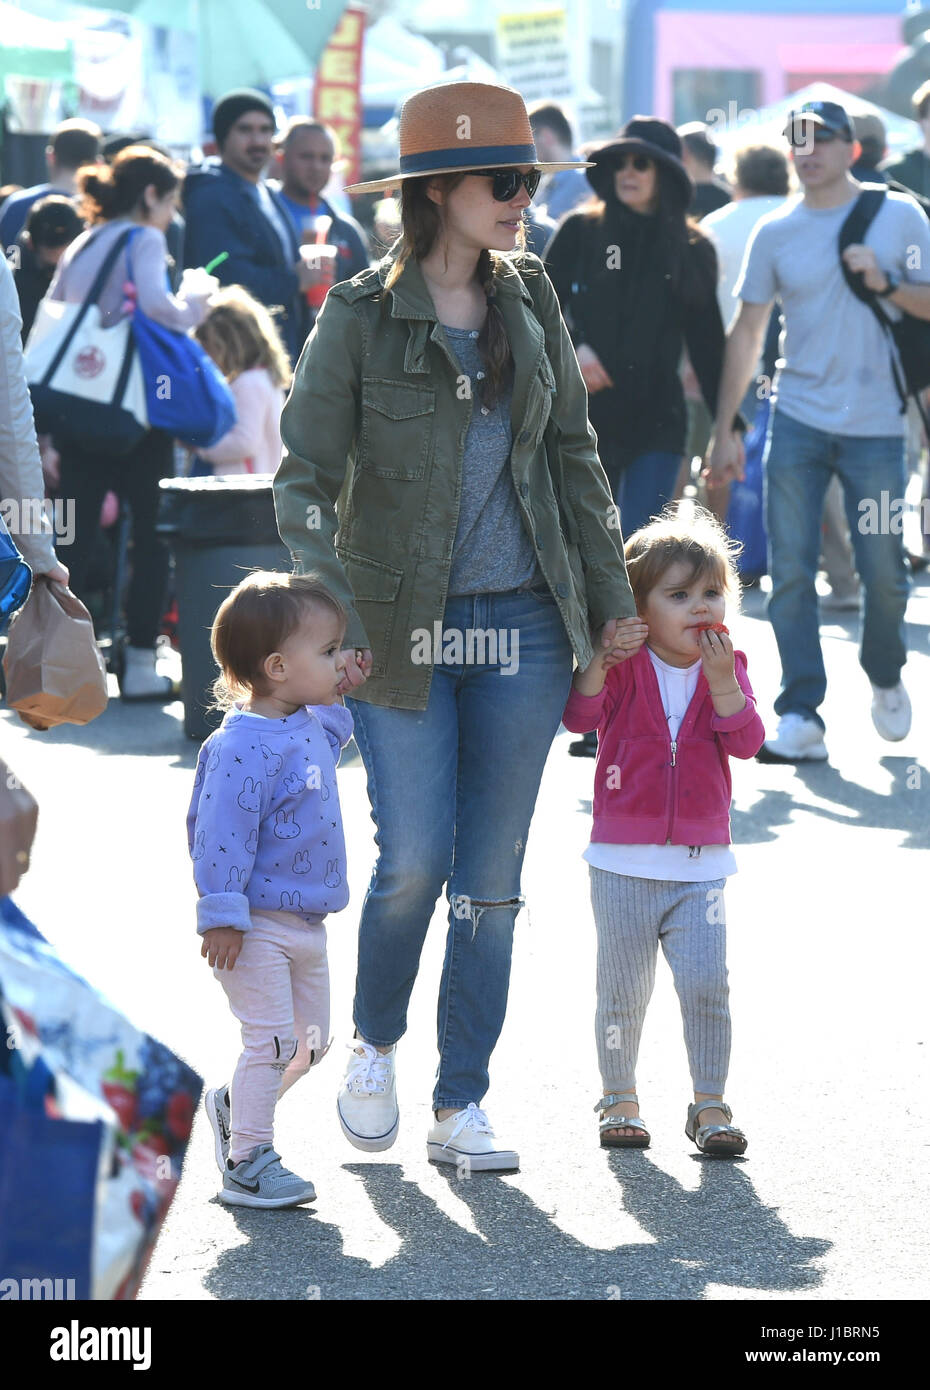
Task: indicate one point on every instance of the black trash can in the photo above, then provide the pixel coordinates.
(219, 528)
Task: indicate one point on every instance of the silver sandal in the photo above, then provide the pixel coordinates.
(640, 1140)
(705, 1135)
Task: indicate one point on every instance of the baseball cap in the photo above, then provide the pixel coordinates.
(828, 114)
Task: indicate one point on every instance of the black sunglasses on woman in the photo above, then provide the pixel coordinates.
(507, 182)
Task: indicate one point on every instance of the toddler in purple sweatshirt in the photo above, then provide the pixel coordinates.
(265, 837)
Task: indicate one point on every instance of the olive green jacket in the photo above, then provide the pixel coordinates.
(367, 493)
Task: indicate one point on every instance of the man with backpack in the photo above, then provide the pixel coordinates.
(837, 411)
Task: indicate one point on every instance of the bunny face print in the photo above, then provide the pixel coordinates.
(264, 824)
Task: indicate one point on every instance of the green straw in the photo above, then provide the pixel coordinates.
(217, 260)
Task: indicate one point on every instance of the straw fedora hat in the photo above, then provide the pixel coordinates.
(460, 126)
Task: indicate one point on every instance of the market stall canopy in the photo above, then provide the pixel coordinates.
(31, 48)
(245, 43)
(733, 129)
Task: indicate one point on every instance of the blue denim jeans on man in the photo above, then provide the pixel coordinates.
(452, 791)
(799, 463)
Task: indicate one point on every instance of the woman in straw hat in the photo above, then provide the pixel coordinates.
(441, 477)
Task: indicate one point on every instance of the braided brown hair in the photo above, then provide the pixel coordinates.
(421, 223)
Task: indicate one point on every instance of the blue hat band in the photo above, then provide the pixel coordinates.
(467, 157)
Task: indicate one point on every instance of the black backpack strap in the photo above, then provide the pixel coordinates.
(93, 295)
(866, 207)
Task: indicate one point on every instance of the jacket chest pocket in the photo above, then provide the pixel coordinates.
(398, 420)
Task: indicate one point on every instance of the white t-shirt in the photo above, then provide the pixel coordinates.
(670, 863)
(730, 228)
(835, 366)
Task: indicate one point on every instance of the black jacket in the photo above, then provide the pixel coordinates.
(222, 215)
(625, 295)
(913, 171)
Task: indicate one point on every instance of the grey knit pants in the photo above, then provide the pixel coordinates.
(632, 916)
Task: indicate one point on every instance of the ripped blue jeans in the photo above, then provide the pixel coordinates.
(452, 791)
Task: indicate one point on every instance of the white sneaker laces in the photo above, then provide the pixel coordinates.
(369, 1073)
(473, 1119)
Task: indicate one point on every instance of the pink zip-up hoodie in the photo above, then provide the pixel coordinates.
(649, 790)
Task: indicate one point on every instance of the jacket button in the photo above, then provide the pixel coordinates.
(524, 437)
(524, 489)
(562, 590)
(539, 544)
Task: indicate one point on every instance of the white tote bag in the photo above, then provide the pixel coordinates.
(86, 380)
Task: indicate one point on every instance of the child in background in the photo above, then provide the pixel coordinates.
(668, 715)
(265, 836)
(51, 226)
(240, 335)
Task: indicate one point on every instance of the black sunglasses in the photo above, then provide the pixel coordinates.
(822, 136)
(507, 182)
(640, 162)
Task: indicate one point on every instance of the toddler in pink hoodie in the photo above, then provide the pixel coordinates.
(671, 704)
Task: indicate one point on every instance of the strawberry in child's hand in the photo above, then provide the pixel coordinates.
(713, 627)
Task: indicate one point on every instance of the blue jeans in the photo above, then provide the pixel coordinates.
(646, 484)
(799, 463)
(452, 791)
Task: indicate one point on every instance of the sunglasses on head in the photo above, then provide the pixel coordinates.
(640, 162)
(507, 182)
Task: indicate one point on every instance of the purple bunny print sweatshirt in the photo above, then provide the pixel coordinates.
(264, 828)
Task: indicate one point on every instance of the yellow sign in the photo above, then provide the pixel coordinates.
(532, 54)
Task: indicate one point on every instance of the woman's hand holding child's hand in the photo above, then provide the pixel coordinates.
(621, 638)
(719, 667)
(357, 668)
(221, 946)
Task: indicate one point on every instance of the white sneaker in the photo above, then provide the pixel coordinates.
(140, 679)
(891, 712)
(466, 1139)
(797, 740)
(367, 1103)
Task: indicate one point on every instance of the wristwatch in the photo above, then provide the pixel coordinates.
(890, 288)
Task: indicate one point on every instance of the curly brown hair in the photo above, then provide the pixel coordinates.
(239, 333)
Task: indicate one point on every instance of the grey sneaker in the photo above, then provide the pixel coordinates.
(216, 1104)
(261, 1181)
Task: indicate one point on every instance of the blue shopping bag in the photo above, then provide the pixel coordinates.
(746, 514)
(186, 394)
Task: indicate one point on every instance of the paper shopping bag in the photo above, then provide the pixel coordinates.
(54, 671)
(18, 816)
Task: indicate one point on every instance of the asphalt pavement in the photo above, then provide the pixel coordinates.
(828, 949)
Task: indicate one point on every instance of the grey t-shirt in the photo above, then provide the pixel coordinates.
(492, 551)
(834, 361)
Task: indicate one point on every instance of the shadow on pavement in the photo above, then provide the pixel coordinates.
(720, 1234)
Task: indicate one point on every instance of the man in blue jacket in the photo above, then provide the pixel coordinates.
(229, 207)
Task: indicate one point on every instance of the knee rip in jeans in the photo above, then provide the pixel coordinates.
(474, 908)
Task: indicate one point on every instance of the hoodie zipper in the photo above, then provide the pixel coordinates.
(671, 791)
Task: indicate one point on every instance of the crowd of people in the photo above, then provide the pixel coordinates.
(616, 312)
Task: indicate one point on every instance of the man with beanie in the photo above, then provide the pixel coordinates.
(229, 207)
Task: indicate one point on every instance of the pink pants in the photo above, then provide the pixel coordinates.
(279, 991)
